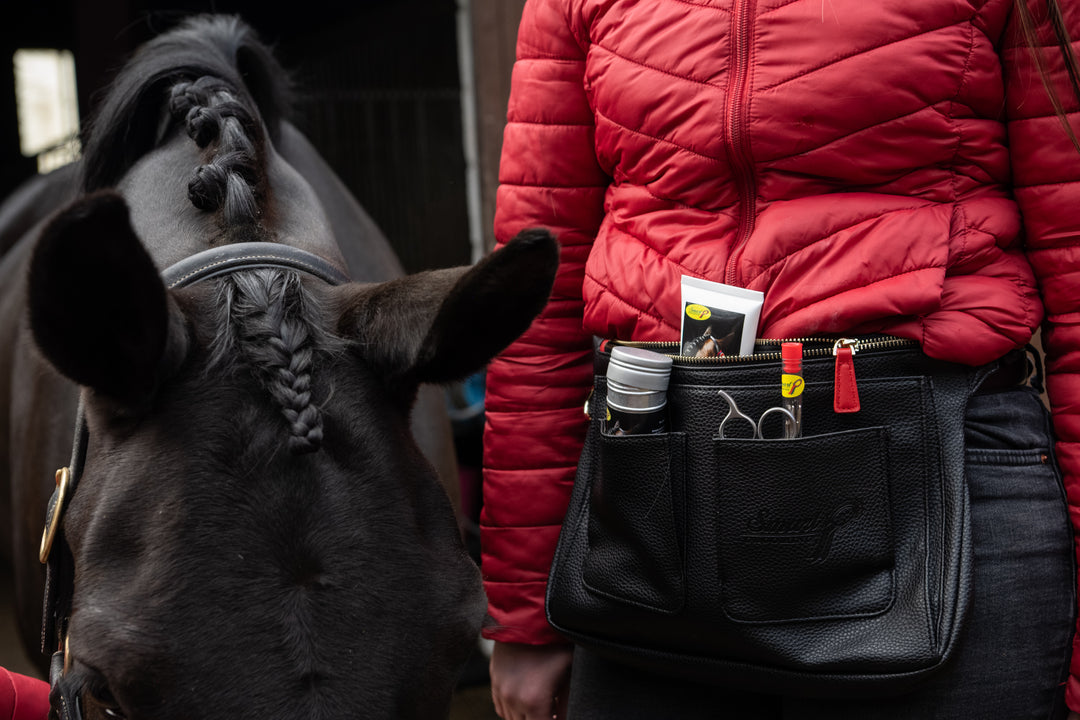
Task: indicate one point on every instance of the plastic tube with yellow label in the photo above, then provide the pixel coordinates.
(791, 387)
(718, 319)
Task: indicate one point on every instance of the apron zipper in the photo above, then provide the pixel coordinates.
(845, 384)
(827, 346)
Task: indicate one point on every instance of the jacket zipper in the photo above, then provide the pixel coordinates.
(737, 137)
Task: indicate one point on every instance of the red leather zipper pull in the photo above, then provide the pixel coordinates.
(845, 386)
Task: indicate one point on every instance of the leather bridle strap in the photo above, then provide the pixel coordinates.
(250, 256)
(55, 552)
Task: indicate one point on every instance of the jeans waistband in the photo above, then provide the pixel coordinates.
(1014, 370)
(1011, 419)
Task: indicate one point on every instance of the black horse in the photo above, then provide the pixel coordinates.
(256, 532)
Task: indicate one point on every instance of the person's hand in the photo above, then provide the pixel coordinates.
(530, 682)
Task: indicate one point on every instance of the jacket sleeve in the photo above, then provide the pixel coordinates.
(549, 177)
(1046, 177)
(22, 697)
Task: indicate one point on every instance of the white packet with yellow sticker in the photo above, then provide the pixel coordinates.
(718, 319)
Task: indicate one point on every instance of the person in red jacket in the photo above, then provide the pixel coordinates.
(871, 167)
(22, 697)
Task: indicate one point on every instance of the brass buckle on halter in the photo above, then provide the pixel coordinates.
(56, 511)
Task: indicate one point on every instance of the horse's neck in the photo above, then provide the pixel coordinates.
(172, 228)
(21, 218)
(33, 201)
(367, 252)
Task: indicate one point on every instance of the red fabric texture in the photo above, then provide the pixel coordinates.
(22, 697)
(864, 165)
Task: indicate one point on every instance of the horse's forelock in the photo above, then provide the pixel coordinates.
(268, 322)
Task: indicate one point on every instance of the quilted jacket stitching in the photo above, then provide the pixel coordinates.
(861, 51)
(703, 5)
(548, 185)
(654, 137)
(765, 269)
(664, 257)
(609, 290)
(959, 210)
(780, 6)
(875, 281)
(549, 57)
(922, 108)
(1060, 183)
(672, 202)
(1019, 118)
(1074, 243)
(654, 68)
(958, 127)
(544, 123)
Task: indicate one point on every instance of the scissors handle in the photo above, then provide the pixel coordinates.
(776, 409)
(755, 427)
(734, 413)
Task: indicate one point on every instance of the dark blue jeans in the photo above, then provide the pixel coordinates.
(1014, 654)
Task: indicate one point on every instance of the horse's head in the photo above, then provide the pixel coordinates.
(255, 533)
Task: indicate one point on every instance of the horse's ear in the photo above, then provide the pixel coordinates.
(98, 309)
(443, 325)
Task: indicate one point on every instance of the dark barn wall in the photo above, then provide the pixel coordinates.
(379, 96)
(392, 121)
(494, 29)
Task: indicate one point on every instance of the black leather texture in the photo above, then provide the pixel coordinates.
(833, 563)
(229, 258)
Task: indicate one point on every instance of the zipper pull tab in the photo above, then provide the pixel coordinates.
(845, 386)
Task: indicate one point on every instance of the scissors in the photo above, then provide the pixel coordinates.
(755, 427)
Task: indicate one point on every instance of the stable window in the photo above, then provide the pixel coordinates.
(47, 106)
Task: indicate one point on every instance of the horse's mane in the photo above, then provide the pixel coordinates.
(273, 328)
(214, 79)
(129, 122)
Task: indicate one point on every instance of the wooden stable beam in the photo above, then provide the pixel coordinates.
(494, 26)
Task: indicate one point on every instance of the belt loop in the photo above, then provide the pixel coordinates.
(1034, 357)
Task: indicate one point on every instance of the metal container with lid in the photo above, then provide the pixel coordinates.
(637, 382)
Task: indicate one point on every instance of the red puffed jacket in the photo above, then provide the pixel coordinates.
(22, 697)
(864, 164)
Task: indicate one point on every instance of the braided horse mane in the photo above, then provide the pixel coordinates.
(224, 89)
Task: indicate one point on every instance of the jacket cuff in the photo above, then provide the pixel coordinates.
(516, 614)
(1072, 693)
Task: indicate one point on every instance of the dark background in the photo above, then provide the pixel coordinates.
(379, 95)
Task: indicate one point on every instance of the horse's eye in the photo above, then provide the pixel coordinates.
(98, 699)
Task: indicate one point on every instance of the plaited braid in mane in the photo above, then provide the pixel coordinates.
(272, 330)
(210, 110)
(264, 309)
